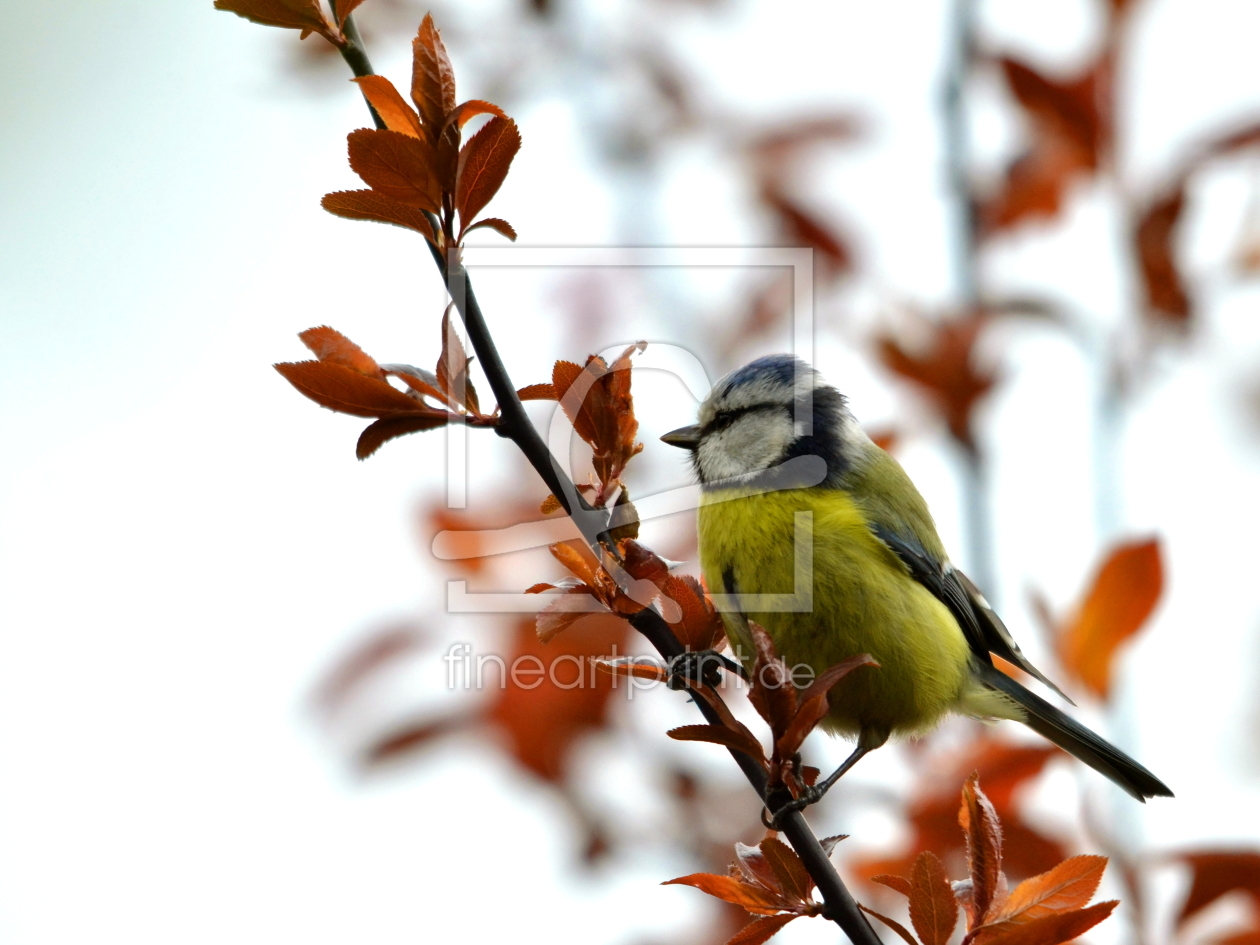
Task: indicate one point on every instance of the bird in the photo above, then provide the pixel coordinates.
(791, 484)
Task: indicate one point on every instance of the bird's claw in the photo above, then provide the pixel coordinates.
(700, 666)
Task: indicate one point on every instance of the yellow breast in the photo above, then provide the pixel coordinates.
(826, 589)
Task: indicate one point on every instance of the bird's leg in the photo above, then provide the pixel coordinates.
(703, 666)
(868, 741)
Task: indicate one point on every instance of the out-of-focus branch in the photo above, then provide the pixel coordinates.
(516, 426)
(966, 260)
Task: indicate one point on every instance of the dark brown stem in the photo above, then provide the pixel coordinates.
(515, 425)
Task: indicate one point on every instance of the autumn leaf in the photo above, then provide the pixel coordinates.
(1118, 604)
(343, 8)
(371, 205)
(933, 909)
(1217, 872)
(467, 111)
(502, 227)
(1052, 929)
(347, 391)
(483, 166)
(802, 227)
(1070, 885)
(331, 346)
(432, 79)
(304, 15)
(397, 166)
(1070, 128)
(390, 105)
(945, 369)
(983, 830)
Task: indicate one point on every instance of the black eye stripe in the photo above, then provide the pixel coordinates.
(726, 418)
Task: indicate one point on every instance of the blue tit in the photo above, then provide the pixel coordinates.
(830, 547)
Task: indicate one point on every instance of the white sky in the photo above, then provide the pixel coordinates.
(186, 544)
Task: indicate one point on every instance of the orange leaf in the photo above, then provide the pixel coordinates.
(933, 909)
(891, 923)
(946, 370)
(1121, 599)
(1217, 872)
(347, 391)
(983, 831)
(333, 347)
(382, 431)
(753, 898)
(432, 78)
(1070, 885)
(502, 227)
(396, 165)
(1052, 929)
(701, 626)
(537, 392)
(371, 205)
(720, 735)
(899, 883)
(452, 366)
(483, 166)
(304, 15)
(466, 111)
(759, 930)
(556, 617)
(802, 227)
(1154, 239)
(793, 878)
(343, 8)
(390, 105)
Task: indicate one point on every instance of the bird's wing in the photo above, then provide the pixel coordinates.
(983, 629)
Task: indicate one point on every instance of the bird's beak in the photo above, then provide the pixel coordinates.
(687, 438)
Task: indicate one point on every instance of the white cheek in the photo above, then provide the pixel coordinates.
(746, 446)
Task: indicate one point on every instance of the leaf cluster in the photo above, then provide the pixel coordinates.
(420, 174)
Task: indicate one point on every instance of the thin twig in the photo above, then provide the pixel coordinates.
(515, 426)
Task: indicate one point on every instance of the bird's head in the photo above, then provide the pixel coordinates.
(750, 422)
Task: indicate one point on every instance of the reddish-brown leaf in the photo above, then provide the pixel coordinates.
(557, 616)
(980, 825)
(406, 739)
(933, 909)
(343, 8)
(636, 666)
(720, 735)
(1154, 240)
(371, 205)
(899, 883)
(418, 379)
(1052, 929)
(1120, 601)
(331, 346)
(452, 366)
(347, 391)
(754, 866)
(700, 627)
(1217, 872)
(390, 105)
(502, 227)
(483, 166)
(760, 930)
(432, 78)
(800, 226)
(396, 165)
(1070, 885)
(382, 431)
(1070, 128)
(772, 692)
(467, 111)
(755, 899)
(305, 15)
(793, 878)
(891, 923)
(945, 369)
(537, 392)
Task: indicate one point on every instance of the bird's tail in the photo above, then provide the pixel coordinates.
(1075, 738)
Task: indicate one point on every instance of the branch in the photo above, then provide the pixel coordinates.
(515, 426)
